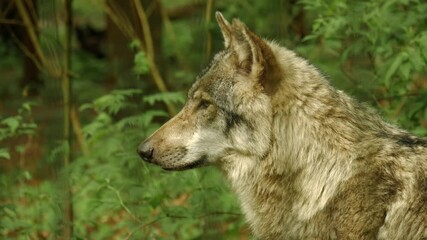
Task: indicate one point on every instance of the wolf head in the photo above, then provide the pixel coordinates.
(228, 113)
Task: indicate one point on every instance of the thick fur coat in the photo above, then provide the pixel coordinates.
(306, 160)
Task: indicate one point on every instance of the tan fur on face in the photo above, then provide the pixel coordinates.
(306, 160)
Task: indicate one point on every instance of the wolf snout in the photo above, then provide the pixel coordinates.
(145, 151)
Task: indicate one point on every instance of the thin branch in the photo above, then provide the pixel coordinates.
(131, 33)
(186, 10)
(38, 57)
(143, 226)
(169, 216)
(399, 107)
(220, 213)
(78, 131)
(31, 31)
(148, 39)
(392, 97)
(11, 22)
(208, 17)
(68, 217)
(7, 9)
(121, 21)
(54, 60)
(27, 52)
(150, 54)
(122, 203)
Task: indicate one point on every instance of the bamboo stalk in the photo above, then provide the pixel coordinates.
(127, 29)
(145, 28)
(208, 17)
(150, 53)
(30, 28)
(78, 131)
(67, 231)
(11, 22)
(119, 19)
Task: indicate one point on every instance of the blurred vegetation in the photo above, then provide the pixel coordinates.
(129, 65)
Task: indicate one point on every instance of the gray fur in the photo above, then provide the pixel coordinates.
(306, 160)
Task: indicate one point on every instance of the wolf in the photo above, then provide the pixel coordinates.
(306, 160)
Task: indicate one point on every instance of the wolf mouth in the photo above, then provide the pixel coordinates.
(200, 162)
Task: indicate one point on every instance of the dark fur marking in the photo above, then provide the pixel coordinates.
(198, 163)
(406, 140)
(201, 161)
(233, 119)
(410, 141)
(203, 104)
(422, 187)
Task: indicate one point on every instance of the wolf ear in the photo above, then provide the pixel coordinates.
(254, 55)
(225, 27)
(248, 48)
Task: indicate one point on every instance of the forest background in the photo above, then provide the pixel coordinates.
(82, 82)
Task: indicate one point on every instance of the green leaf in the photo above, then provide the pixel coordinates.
(58, 151)
(115, 101)
(393, 68)
(135, 44)
(28, 175)
(28, 105)
(4, 153)
(141, 120)
(9, 212)
(405, 70)
(12, 122)
(86, 106)
(101, 122)
(167, 97)
(416, 59)
(148, 116)
(141, 63)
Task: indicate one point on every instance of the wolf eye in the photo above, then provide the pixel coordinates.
(203, 104)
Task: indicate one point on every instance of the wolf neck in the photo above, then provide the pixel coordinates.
(316, 139)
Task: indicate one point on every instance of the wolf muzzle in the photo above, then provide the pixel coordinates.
(145, 151)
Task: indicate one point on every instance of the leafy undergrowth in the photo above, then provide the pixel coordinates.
(114, 194)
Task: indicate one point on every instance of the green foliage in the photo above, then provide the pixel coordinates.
(4, 153)
(112, 184)
(20, 124)
(26, 211)
(387, 38)
(113, 102)
(167, 97)
(141, 63)
(115, 195)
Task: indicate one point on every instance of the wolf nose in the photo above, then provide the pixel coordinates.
(145, 151)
